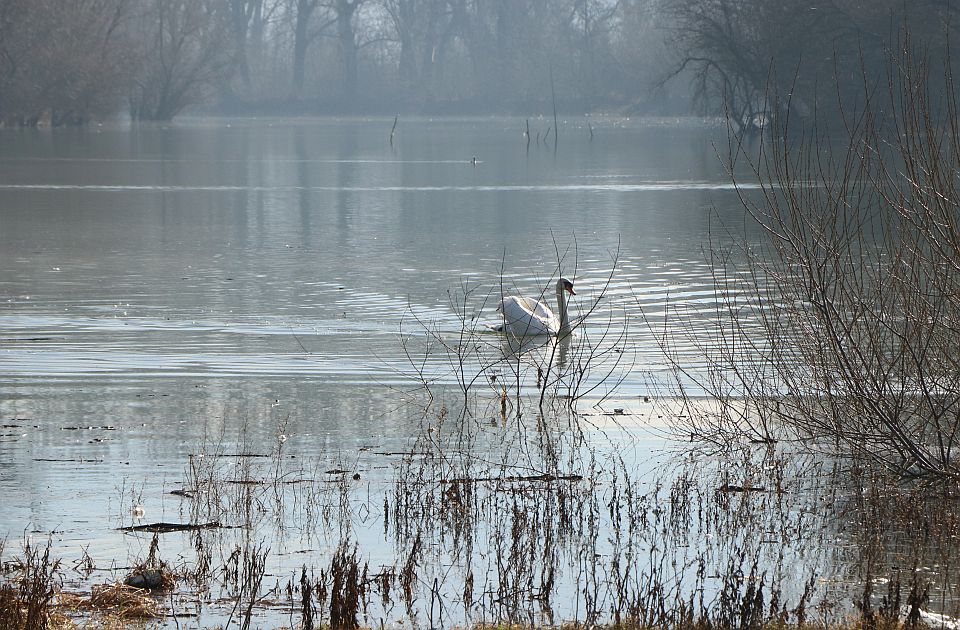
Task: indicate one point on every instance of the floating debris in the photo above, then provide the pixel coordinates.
(733, 488)
(163, 528)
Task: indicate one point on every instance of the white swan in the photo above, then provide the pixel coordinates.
(526, 317)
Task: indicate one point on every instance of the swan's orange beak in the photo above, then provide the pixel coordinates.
(570, 290)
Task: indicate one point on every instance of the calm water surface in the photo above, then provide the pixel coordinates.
(164, 287)
(228, 265)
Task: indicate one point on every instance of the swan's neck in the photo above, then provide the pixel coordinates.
(562, 307)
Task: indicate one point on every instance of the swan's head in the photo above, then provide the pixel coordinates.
(565, 285)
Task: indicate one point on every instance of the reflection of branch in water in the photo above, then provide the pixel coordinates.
(514, 346)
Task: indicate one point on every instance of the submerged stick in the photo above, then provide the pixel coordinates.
(393, 129)
(541, 477)
(553, 95)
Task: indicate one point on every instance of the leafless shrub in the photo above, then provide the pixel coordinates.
(26, 601)
(347, 588)
(843, 325)
(247, 566)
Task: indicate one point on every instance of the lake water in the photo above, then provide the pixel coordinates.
(159, 276)
(230, 286)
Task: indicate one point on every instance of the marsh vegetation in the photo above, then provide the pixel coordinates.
(560, 531)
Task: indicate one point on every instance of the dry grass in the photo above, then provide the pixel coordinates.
(117, 601)
(25, 600)
(13, 614)
(124, 601)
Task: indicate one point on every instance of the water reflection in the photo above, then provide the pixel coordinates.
(513, 346)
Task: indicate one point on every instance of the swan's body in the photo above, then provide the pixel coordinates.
(526, 317)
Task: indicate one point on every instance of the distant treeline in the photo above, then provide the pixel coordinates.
(72, 61)
(753, 59)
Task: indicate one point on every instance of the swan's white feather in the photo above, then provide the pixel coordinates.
(526, 317)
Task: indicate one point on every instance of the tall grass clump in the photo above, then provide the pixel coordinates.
(26, 600)
(842, 328)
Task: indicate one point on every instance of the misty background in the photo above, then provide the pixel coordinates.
(73, 61)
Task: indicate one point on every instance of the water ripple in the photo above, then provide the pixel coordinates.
(679, 185)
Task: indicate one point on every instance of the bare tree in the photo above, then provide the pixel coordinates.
(305, 32)
(188, 52)
(729, 46)
(245, 16)
(63, 63)
(641, 52)
(423, 30)
(591, 23)
(739, 52)
(345, 10)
